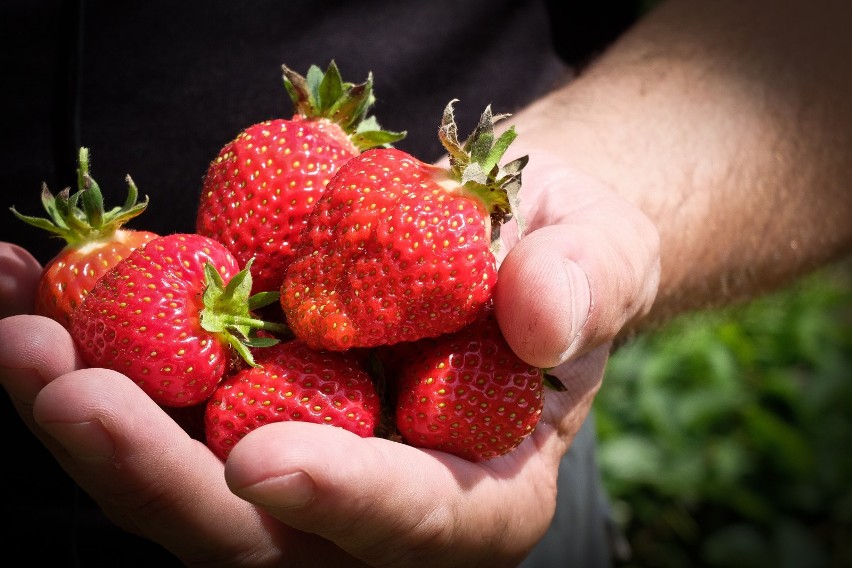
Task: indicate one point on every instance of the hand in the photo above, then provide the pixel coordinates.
(293, 493)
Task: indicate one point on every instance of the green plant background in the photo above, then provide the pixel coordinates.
(725, 436)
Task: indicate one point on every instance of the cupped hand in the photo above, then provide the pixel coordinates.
(586, 267)
(343, 500)
(293, 493)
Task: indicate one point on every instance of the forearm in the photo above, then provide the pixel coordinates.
(729, 124)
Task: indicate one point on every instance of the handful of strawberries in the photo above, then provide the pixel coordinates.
(332, 279)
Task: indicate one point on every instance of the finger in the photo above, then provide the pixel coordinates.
(147, 474)
(542, 299)
(589, 266)
(390, 504)
(19, 276)
(34, 350)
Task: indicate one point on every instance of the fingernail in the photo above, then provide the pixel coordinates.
(288, 491)
(82, 439)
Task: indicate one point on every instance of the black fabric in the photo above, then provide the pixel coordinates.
(582, 532)
(155, 88)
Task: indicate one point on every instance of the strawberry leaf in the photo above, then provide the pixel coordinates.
(475, 165)
(325, 95)
(81, 218)
(238, 289)
(498, 149)
(263, 299)
(227, 312)
(260, 342)
(330, 87)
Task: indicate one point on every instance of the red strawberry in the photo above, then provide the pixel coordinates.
(263, 184)
(292, 382)
(468, 394)
(95, 241)
(164, 317)
(397, 249)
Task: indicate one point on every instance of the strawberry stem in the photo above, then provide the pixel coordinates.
(227, 311)
(475, 164)
(254, 323)
(81, 218)
(326, 95)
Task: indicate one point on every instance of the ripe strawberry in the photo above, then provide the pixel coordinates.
(292, 382)
(263, 184)
(164, 317)
(397, 249)
(95, 241)
(468, 394)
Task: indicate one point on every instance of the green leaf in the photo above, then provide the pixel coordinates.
(227, 311)
(263, 299)
(81, 218)
(325, 95)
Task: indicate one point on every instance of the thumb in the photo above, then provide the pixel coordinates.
(570, 286)
(542, 298)
(388, 503)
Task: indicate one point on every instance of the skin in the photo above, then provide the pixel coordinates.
(702, 160)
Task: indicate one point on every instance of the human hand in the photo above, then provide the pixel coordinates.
(384, 502)
(293, 493)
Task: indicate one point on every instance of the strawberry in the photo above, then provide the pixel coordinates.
(397, 249)
(292, 382)
(94, 241)
(262, 185)
(164, 317)
(468, 394)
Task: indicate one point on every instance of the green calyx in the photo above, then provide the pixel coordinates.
(81, 218)
(325, 95)
(475, 164)
(228, 311)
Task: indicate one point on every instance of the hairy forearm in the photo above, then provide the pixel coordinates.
(729, 124)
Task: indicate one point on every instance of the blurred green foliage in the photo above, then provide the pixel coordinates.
(725, 436)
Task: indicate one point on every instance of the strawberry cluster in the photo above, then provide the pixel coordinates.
(332, 279)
